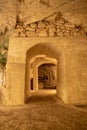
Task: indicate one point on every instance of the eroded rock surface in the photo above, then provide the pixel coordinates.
(40, 18)
(74, 11)
(43, 112)
(54, 25)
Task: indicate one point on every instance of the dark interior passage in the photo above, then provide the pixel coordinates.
(47, 75)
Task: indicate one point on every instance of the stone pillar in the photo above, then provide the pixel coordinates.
(15, 83)
(35, 77)
(61, 78)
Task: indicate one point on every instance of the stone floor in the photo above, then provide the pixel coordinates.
(43, 112)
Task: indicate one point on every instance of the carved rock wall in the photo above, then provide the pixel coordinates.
(54, 25)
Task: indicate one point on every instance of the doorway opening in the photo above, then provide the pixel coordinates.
(42, 77)
(44, 55)
(47, 76)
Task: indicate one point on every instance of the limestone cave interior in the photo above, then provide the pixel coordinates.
(43, 64)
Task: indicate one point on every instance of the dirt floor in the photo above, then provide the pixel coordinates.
(43, 112)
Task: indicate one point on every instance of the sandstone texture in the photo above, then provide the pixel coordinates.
(43, 112)
(71, 56)
(28, 11)
(54, 25)
(40, 18)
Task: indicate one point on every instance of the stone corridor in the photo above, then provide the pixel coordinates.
(43, 64)
(43, 111)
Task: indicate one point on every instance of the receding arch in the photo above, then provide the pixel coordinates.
(34, 65)
(47, 76)
(70, 55)
(46, 50)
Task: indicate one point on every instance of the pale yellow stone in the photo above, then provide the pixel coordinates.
(53, 17)
(28, 28)
(43, 33)
(29, 33)
(22, 34)
(68, 25)
(60, 33)
(41, 24)
(33, 25)
(77, 33)
(53, 29)
(71, 55)
(51, 33)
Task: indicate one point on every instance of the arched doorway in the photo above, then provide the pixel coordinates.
(68, 55)
(35, 63)
(49, 67)
(47, 76)
(34, 58)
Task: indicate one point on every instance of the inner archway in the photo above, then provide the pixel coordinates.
(47, 76)
(37, 64)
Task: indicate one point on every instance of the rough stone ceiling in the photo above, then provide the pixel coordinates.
(74, 11)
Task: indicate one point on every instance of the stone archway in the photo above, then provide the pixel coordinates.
(34, 65)
(47, 76)
(47, 51)
(70, 54)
